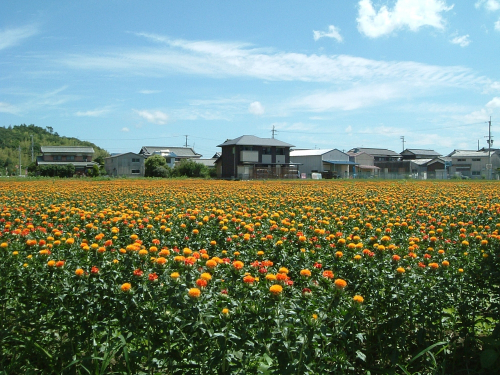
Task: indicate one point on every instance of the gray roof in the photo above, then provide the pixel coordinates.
(180, 152)
(375, 151)
(75, 163)
(420, 161)
(124, 153)
(252, 140)
(67, 149)
(468, 154)
(417, 151)
(206, 162)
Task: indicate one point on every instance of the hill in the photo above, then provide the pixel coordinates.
(20, 135)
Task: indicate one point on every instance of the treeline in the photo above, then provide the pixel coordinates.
(13, 137)
(156, 166)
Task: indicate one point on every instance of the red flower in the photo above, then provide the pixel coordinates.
(317, 265)
(138, 272)
(153, 277)
(94, 270)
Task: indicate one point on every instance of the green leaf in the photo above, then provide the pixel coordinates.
(488, 358)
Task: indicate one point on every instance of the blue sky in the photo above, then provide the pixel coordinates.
(325, 74)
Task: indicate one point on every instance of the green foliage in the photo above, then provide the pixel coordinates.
(190, 168)
(67, 170)
(20, 135)
(156, 166)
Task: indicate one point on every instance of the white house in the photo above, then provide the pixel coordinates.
(331, 162)
(474, 164)
(128, 164)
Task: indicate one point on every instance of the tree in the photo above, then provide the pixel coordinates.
(190, 168)
(153, 165)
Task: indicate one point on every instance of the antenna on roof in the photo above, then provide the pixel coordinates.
(186, 141)
(274, 131)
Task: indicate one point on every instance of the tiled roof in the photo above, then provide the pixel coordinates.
(468, 154)
(181, 152)
(375, 151)
(67, 149)
(252, 140)
(309, 152)
(124, 153)
(417, 151)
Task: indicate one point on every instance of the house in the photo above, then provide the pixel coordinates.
(79, 156)
(128, 164)
(331, 163)
(379, 154)
(251, 157)
(415, 153)
(474, 164)
(173, 155)
(364, 166)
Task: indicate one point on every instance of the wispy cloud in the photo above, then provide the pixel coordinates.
(92, 113)
(462, 41)
(226, 60)
(256, 108)
(8, 108)
(333, 32)
(14, 36)
(148, 92)
(491, 5)
(154, 117)
(497, 25)
(125, 130)
(481, 115)
(411, 14)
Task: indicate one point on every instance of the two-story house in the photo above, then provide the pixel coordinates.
(127, 164)
(474, 164)
(331, 163)
(251, 157)
(79, 156)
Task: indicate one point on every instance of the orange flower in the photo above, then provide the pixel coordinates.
(211, 263)
(248, 279)
(305, 273)
(340, 284)
(433, 265)
(238, 264)
(445, 263)
(201, 283)
(358, 299)
(276, 289)
(161, 261)
(60, 263)
(400, 270)
(126, 287)
(206, 276)
(328, 274)
(194, 293)
(175, 275)
(51, 263)
(79, 272)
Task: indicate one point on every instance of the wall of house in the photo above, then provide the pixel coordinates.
(125, 165)
(364, 159)
(308, 164)
(66, 157)
(336, 155)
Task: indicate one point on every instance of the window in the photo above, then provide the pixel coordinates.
(280, 151)
(266, 150)
(168, 160)
(136, 171)
(476, 159)
(247, 148)
(476, 173)
(70, 157)
(135, 160)
(461, 159)
(57, 157)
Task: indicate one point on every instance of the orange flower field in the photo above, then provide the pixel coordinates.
(246, 277)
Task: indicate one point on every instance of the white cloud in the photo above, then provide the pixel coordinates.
(333, 32)
(146, 92)
(412, 14)
(348, 129)
(462, 41)
(12, 37)
(8, 108)
(256, 108)
(125, 130)
(491, 5)
(497, 25)
(154, 117)
(347, 100)
(493, 103)
(484, 113)
(94, 113)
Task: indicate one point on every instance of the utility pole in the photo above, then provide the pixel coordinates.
(403, 138)
(186, 141)
(20, 161)
(32, 153)
(274, 131)
(489, 148)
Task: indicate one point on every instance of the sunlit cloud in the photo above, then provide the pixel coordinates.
(333, 32)
(125, 130)
(406, 14)
(256, 108)
(154, 117)
(490, 5)
(10, 37)
(8, 108)
(462, 41)
(92, 113)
